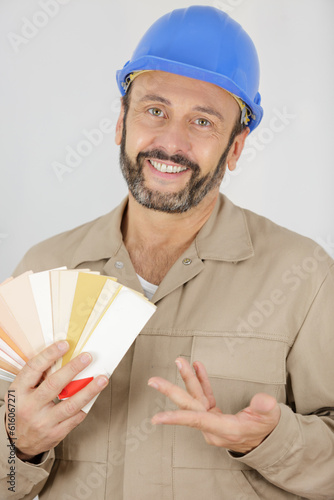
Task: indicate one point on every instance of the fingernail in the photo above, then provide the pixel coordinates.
(195, 367)
(85, 358)
(178, 364)
(102, 381)
(63, 345)
(153, 384)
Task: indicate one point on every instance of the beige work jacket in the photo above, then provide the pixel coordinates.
(252, 301)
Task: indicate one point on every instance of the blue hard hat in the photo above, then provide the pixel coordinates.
(204, 43)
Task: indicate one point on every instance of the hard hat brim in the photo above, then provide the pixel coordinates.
(182, 69)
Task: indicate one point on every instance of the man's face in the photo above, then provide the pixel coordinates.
(175, 140)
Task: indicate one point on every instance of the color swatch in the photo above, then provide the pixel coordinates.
(92, 312)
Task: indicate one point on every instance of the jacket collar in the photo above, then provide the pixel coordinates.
(102, 238)
(225, 236)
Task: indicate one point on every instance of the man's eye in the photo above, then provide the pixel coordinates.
(202, 122)
(156, 112)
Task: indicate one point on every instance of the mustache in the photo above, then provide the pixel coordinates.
(161, 155)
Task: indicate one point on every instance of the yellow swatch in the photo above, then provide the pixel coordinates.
(107, 295)
(88, 289)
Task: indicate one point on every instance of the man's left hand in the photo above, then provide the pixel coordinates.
(197, 408)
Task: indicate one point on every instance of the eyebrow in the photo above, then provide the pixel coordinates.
(209, 111)
(155, 97)
(202, 109)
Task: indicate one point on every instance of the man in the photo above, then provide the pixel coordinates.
(244, 302)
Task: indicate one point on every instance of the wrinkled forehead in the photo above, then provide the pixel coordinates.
(181, 90)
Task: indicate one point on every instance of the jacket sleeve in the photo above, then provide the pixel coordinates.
(298, 456)
(29, 478)
(26, 479)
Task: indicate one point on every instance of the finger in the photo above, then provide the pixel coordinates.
(205, 383)
(191, 382)
(215, 429)
(33, 370)
(263, 403)
(265, 406)
(67, 425)
(55, 434)
(204, 421)
(70, 407)
(53, 384)
(179, 396)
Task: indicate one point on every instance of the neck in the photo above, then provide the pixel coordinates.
(155, 240)
(147, 228)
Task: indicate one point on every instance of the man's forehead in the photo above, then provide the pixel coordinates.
(168, 85)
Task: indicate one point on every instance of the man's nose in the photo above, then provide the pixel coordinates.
(173, 138)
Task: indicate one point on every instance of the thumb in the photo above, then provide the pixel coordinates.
(263, 404)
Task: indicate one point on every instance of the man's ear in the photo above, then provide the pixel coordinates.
(236, 149)
(119, 125)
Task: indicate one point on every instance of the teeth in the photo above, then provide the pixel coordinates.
(162, 167)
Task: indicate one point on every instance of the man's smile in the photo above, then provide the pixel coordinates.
(167, 168)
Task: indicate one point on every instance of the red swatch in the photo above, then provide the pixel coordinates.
(74, 387)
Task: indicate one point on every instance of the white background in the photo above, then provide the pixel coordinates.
(60, 81)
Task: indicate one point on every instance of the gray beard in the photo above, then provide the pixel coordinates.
(190, 196)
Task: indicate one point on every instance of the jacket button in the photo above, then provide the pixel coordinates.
(186, 262)
(119, 265)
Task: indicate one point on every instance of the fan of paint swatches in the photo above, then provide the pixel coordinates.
(93, 313)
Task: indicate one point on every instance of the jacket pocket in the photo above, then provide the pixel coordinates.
(238, 368)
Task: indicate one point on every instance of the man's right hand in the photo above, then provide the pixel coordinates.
(40, 424)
